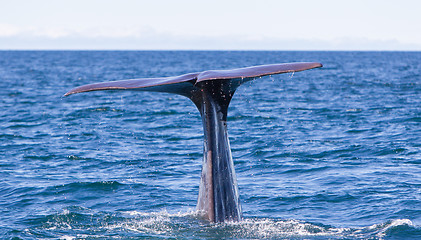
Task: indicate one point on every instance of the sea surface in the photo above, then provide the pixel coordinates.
(330, 153)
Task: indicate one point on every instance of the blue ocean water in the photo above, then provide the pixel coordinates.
(331, 153)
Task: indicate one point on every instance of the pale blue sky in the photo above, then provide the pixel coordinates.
(216, 24)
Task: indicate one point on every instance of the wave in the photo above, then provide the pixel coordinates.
(83, 223)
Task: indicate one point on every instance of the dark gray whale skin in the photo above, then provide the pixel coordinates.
(211, 92)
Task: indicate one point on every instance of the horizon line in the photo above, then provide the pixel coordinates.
(215, 50)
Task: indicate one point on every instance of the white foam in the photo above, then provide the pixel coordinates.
(383, 228)
(152, 222)
(65, 237)
(268, 228)
(191, 223)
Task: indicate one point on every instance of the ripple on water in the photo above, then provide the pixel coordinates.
(78, 222)
(332, 153)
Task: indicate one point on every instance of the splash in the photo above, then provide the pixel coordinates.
(192, 224)
(83, 223)
(382, 230)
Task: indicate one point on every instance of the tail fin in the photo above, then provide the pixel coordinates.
(211, 92)
(183, 84)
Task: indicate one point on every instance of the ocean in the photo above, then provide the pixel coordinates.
(329, 153)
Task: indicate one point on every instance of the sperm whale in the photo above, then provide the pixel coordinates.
(211, 91)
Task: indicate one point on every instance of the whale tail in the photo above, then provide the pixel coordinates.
(211, 92)
(186, 83)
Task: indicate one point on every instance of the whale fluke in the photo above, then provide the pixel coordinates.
(246, 73)
(132, 84)
(211, 91)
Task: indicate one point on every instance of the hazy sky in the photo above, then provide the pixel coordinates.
(216, 24)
